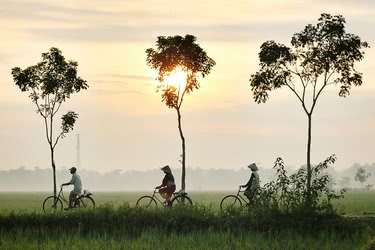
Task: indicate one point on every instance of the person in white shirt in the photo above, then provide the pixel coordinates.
(76, 181)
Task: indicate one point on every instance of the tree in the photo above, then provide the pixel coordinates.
(171, 55)
(321, 55)
(50, 83)
(361, 176)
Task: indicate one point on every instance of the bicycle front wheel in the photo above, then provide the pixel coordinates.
(52, 204)
(230, 202)
(86, 202)
(181, 200)
(146, 202)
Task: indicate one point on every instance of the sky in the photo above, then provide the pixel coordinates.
(122, 122)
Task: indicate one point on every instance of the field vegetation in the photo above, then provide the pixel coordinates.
(118, 224)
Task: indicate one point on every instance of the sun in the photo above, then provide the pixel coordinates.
(177, 78)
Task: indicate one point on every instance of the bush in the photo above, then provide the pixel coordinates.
(287, 194)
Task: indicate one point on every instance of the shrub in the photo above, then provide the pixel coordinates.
(288, 194)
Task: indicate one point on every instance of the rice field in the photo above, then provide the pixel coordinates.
(354, 203)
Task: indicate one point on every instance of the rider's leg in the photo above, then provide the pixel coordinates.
(72, 198)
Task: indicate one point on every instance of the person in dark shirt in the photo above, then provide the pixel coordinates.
(253, 184)
(168, 185)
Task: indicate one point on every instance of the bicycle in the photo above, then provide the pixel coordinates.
(179, 198)
(55, 204)
(234, 201)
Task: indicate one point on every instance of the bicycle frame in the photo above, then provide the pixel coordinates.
(62, 197)
(241, 197)
(154, 196)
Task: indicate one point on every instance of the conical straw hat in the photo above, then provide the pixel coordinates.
(166, 169)
(253, 166)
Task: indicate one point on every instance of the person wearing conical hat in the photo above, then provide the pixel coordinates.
(253, 184)
(168, 185)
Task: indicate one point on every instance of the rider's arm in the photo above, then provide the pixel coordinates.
(71, 182)
(163, 183)
(250, 181)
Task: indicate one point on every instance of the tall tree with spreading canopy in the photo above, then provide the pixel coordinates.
(361, 176)
(174, 54)
(321, 55)
(49, 83)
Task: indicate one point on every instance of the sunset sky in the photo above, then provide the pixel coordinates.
(122, 122)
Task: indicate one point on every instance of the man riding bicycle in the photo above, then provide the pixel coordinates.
(76, 181)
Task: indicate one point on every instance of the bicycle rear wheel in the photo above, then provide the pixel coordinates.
(181, 200)
(146, 202)
(52, 204)
(86, 202)
(230, 202)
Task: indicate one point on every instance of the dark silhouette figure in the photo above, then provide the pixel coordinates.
(168, 185)
(253, 184)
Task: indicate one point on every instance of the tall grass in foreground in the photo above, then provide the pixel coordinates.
(197, 227)
(158, 239)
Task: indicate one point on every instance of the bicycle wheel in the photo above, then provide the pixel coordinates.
(229, 202)
(181, 200)
(86, 202)
(52, 206)
(146, 202)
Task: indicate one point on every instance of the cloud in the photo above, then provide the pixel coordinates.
(134, 21)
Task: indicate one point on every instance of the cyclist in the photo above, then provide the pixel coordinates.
(76, 181)
(253, 184)
(167, 186)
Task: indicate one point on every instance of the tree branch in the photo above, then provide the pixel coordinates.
(46, 125)
(315, 99)
(302, 101)
(57, 139)
(37, 105)
(182, 99)
(58, 107)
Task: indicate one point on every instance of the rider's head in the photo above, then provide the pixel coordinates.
(166, 169)
(72, 170)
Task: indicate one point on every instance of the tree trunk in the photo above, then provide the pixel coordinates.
(54, 171)
(183, 150)
(309, 171)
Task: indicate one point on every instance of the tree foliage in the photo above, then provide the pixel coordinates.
(323, 51)
(321, 55)
(49, 83)
(361, 176)
(182, 53)
(178, 52)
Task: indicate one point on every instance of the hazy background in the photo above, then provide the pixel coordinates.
(198, 179)
(122, 122)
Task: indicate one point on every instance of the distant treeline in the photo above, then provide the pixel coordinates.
(37, 179)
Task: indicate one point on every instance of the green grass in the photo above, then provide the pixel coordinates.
(354, 203)
(156, 239)
(113, 226)
(357, 203)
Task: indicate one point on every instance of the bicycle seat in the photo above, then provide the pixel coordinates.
(86, 193)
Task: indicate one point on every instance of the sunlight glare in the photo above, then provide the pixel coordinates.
(176, 78)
